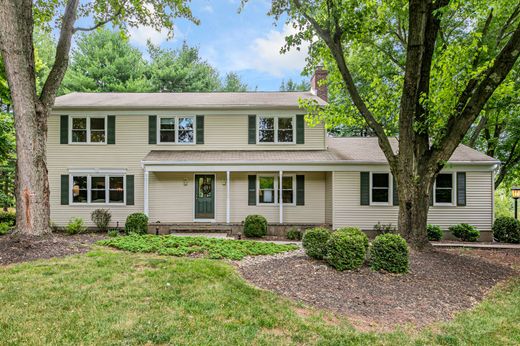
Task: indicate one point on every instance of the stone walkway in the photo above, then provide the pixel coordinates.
(477, 245)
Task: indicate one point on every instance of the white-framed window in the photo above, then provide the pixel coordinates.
(443, 189)
(276, 129)
(88, 129)
(97, 188)
(268, 191)
(176, 129)
(380, 188)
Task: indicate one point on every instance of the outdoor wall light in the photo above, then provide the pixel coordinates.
(185, 181)
(515, 193)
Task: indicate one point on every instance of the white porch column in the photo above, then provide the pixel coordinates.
(280, 197)
(228, 198)
(146, 211)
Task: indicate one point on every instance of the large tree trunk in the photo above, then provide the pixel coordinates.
(30, 117)
(413, 216)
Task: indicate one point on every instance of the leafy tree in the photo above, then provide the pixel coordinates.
(424, 63)
(104, 61)
(232, 82)
(181, 70)
(291, 85)
(32, 107)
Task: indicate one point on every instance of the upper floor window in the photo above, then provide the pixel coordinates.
(176, 129)
(275, 129)
(100, 189)
(380, 188)
(88, 129)
(443, 191)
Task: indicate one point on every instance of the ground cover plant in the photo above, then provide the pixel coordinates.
(214, 248)
(106, 297)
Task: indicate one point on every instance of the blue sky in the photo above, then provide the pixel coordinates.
(247, 42)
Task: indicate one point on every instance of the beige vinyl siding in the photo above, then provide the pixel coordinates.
(349, 212)
(221, 132)
(172, 201)
(328, 197)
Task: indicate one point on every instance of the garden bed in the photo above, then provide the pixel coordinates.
(15, 249)
(440, 283)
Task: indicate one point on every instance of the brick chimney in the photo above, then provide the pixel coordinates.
(317, 88)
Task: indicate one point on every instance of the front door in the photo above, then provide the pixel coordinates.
(204, 196)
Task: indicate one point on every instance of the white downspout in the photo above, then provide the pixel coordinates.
(280, 197)
(228, 198)
(146, 210)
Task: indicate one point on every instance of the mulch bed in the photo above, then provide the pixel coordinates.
(14, 249)
(439, 284)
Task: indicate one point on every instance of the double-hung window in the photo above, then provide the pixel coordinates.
(98, 189)
(88, 129)
(380, 188)
(177, 129)
(276, 129)
(443, 191)
(269, 190)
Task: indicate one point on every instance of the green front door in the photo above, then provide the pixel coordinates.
(204, 196)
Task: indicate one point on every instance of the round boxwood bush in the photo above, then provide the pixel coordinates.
(434, 232)
(355, 231)
(314, 242)
(389, 252)
(255, 226)
(345, 250)
(465, 232)
(136, 223)
(506, 230)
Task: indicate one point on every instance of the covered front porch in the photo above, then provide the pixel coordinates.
(221, 194)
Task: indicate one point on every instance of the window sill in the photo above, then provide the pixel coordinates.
(180, 144)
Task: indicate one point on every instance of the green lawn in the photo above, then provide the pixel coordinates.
(215, 248)
(108, 297)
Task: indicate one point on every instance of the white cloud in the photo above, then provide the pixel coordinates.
(207, 8)
(142, 34)
(263, 54)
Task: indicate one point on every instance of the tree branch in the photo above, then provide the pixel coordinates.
(61, 59)
(334, 43)
(476, 133)
(475, 96)
(99, 24)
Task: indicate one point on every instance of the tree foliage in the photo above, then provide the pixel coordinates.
(291, 85)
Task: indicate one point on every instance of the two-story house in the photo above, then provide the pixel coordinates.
(188, 159)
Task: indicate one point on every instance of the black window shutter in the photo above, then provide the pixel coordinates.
(395, 195)
(129, 190)
(200, 129)
(461, 188)
(251, 133)
(300, 190)
(65, 190)
(64, 129)
(300, 129)
(111, 129)
(365, 188)
(251, 196)
(152, 129)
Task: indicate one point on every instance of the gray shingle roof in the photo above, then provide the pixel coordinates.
(210, 100)
(340, 150)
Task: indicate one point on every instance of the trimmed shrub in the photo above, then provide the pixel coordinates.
(465, 232)
(434, 232)
(5, 228)
(294, 234)
(389, 252)
(345, 250)
(255, 226)
(506, 230)
(8, 217)
(136, 223)
(101, 217)
(355, 231)
(76, 225)
(314, 242)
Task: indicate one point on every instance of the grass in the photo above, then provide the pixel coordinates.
(214, 248)
(108, 298)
